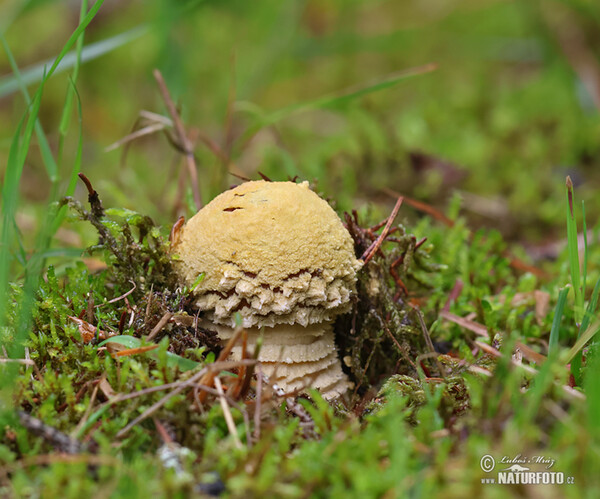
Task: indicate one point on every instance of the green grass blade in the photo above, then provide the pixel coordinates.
(74, 36)
(591, 308)
(47, 157)
(10, 84)
(558, 313)
(592, 391)
(66, 114)
(589, 314)
(8, 214)
(10, 188)
(348, 94)
(334, 99)
(73, 177)
(585, 253)
(573, 250)
(586, 336)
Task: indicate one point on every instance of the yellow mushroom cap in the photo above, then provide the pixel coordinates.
(273, 251)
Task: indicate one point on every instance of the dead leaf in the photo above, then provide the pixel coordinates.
(106, 389)
(477, 328)
(133, 351)
(88, 331)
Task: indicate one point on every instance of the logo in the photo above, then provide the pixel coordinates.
(522, 470)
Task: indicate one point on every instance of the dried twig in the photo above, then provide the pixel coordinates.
(259, 382)
(209, 376)
(93, 198)
(477, 328)
(114, 300)
(178, 386)
(140, 132)
(159, 326)
(62, 441)
(227, 413)
(429, 343)
(370, 252)
(157, 405)
(88, 410)
(182, 137)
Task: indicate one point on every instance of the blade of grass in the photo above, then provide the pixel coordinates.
(8, 215)
(66, 114)
(47, 157)
(334, 99)
(589, 314)
(33, 74)
(9, 206)
(348, 94)
(586, 336)
(592, 392)
(591, 308)
(36, 262)
(585, 252)
(558, 313)
(541, 382)
(573, 250)
(74, 176)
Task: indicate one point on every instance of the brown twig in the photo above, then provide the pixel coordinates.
(88, 410)
(182, 137)
(429, 343)
(259, 383)
(159, 326)
(371, 250)
(114, 300)
(227, 414)
(208, 378)
(62, 441)
(93, 198)
(477, 328)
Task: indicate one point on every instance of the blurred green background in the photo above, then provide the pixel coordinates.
(511, 109)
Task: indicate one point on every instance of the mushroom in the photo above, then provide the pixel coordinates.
(277, 254)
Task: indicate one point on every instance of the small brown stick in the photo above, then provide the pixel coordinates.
(149, 304)
(157, 405)
(93, 198)
(207, 379)
(181, 136)
(140, 132)
(370, 252)
(454, 294)
(46, 459)
(118, 297)
(477, 328)
(227, 413)
(397, 279)
(158, 328)
(427, 337)
(26, 362)
(89, 313)
(398, 346)
(162, 431)
(424, 207)
(259, 382)
(178, 385)
(88, 410)
(62, 441)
